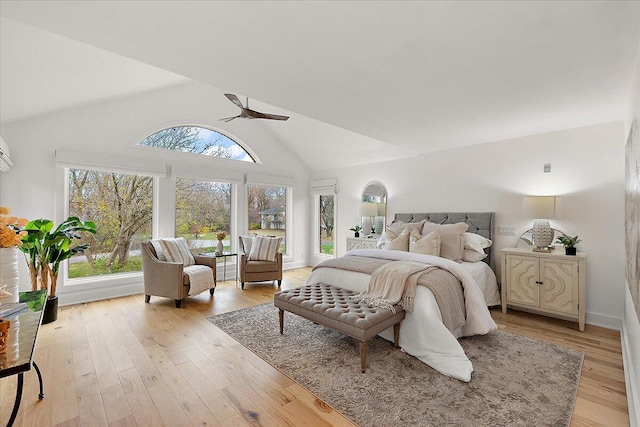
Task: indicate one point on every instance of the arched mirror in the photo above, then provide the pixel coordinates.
(526, 239)
(373, 209)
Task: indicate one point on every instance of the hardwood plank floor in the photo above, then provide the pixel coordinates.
(121, 362)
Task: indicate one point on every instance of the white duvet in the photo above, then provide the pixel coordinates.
(422, 333)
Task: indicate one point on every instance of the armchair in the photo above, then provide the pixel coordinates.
(170, 279)
(258, 271)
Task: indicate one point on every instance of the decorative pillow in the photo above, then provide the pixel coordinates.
(451, 240)
(397, 242)
(474, 245)
(264, 248)
(398, 226)
(427, 245)
(158, 248)
(177, 250)
(245, 243)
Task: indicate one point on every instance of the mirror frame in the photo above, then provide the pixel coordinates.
(383, 197)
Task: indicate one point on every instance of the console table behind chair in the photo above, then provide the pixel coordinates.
(18, 358)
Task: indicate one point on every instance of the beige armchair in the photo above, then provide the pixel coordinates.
(168, 279)
(258, 271)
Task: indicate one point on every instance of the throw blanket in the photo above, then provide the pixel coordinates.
(445, 286)
(200, 278)
(394, 283)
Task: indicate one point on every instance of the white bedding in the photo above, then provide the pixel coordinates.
(422, 333)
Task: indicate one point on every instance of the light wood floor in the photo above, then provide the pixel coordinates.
(121, 362)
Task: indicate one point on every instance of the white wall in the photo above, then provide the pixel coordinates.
(631, 323)
(111, 129)
(587, 172)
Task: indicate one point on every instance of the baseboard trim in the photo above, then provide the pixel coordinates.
(633, 392)
(294, 265)
(605, 321)
(100, 293)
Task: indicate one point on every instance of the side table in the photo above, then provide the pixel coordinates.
(224, 256)
(18, 357)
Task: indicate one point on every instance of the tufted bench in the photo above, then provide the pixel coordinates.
(330, 306)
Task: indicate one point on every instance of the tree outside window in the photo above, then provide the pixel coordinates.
(326, 237)
(121, 207)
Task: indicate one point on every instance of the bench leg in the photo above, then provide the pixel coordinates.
(281, 319)
(396, 334)
(363, 356)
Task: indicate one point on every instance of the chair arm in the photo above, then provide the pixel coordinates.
(279, 260)
(209, 261)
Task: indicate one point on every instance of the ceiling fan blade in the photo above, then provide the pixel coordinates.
(228, 119)
(275, 117)
(231, 97)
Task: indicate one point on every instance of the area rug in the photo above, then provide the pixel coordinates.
(516, 381)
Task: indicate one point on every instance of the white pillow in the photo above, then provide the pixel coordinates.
(247, 241)
(427, 245)
(397, 242)
(177, 250)
(474, 245)
(264, 248)
(469, 255)
(476, 242)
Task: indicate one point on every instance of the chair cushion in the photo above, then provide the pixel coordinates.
(246, 243)
(264, 248)
(261, 266)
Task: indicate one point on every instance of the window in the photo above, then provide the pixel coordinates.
(197, 140)
(326, 216)
(267, 210)
(121, 206)
(203, 209)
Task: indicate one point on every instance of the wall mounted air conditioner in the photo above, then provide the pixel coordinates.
(5, 156)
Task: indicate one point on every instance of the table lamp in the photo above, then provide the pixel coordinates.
(541, 209)
(368, 210)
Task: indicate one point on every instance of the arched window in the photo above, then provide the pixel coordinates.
(197, 140)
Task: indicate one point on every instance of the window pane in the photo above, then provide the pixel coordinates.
(203, 212)
(121, 207)
(267, 211)
(326, 224)
(197, 140)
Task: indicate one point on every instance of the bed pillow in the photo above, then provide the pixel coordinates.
(398, 226)
(264, 248)
(177, 250)
(451, 238)
(474, 245)
(426, 245)
(397, 242)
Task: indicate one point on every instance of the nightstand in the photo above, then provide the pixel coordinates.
(361, 243)
(552, 284)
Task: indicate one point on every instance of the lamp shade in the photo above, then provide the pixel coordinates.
(539, 207)
(368, 209)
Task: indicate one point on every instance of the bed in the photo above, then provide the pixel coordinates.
(423, 333)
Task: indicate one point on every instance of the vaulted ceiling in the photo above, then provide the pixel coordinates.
(407, 77)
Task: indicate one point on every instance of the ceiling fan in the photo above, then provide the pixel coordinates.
(247, 113)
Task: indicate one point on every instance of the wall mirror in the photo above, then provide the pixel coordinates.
(526, 239)
(373, 209)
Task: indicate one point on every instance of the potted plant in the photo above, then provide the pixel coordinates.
(46, 248)
(356, 230)
(569, 244)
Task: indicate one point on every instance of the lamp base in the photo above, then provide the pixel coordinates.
(542, 233)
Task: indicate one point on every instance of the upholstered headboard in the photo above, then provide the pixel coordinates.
(479, 222)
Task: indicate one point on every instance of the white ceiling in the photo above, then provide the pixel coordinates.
(422, 76)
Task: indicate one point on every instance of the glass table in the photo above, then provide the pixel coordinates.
(224, 256)
(21, 344)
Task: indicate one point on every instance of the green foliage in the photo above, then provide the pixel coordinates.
(101, 267)
(254, 226)
(568, 242)
(327, 248)
(356, 228)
